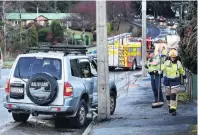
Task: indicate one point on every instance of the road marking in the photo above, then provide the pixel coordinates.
(13, 125)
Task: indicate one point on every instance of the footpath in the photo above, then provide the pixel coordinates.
(135, 116)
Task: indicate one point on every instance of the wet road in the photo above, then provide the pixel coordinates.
(46, 124)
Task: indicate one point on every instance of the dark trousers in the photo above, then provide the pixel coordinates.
(155, 86)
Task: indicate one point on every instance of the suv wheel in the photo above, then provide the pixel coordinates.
(20, 117)
(112, 102)
(81, 116)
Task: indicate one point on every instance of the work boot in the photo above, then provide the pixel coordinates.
(173, 112)
(170, 111)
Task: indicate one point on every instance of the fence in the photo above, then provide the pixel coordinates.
(191, 85)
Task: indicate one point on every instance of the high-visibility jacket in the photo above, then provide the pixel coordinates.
(152, 68)
(172, 70)
(164, 52)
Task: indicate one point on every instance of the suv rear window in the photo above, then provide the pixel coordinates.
(28, 66)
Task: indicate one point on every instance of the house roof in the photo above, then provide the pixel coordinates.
(33, 16)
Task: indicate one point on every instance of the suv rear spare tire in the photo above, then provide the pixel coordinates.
(42, 88)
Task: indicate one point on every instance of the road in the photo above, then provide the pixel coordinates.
(45, 124)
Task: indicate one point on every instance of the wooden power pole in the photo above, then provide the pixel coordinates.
(102, 60)
(144, 37)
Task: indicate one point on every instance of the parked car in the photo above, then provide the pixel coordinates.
(170, 23)
(60, 81)
(137, 16)
(150, 17)
(161, 19)
(160, 39)
(172, 31)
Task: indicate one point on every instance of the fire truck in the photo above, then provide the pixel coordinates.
(126, 52)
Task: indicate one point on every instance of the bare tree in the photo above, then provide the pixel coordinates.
(85, 15)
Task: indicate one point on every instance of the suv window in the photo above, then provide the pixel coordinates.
(28, 66)
(85, 69)
(93, 67)
(75, 68)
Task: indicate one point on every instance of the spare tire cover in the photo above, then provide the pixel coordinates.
(42, 88)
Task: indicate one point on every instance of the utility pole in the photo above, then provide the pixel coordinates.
(102, 60)
(144, 37)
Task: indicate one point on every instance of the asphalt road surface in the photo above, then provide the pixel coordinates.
(46, 124)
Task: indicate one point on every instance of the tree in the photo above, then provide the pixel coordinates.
(57, 32)
(188, 43)
(33, 35)
(43, 34)
(85, 15)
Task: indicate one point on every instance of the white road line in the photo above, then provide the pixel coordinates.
(13, 125)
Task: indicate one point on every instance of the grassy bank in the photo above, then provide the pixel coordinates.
(8, 64)
(183, 97)
(193, 130)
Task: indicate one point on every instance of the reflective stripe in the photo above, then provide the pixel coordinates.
(175, 86)
(173, 107)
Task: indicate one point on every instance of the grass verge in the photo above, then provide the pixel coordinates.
(183, 97)
(193, 130)
(8, 64)
(79, 32)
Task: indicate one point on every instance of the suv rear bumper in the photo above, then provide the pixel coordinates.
(34, 108)
(31, 108)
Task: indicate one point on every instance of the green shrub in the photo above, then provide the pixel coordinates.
(43, 34)
(57, 31)
(188, 40)
(33, 36)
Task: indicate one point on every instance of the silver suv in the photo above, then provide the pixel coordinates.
(60, 81)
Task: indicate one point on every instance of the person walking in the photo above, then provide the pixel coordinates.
(172, 69)
(153, 67)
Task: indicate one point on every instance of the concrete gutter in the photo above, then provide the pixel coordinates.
(89, 129)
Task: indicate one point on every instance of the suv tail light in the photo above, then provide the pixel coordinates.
(7, 87)
(68, 90)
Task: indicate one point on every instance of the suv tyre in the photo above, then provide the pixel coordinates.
(112, 102)
(20, 117)
(81, 116)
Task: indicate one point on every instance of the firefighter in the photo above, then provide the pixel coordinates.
(153, 67)
(172, 69)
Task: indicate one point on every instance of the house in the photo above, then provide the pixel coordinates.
(42, 18)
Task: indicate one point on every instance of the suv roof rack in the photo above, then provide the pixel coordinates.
(66, 49)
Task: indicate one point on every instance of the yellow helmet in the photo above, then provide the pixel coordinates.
(173, 53)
